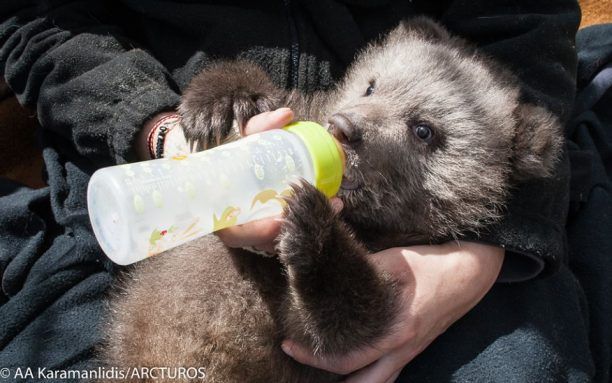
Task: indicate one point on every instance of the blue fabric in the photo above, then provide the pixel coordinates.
(53, 276)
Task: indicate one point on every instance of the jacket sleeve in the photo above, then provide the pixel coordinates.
(89, 83)
(535, 40)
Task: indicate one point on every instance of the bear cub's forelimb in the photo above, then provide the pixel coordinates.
(338, 301)
(224, 93)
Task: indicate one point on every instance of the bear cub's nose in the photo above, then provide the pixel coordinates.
(344, 129)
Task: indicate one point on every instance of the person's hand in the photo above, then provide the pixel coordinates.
(443, 283)
(258, 234)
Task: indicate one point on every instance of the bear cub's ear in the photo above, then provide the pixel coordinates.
(537, 143)
(421, 26)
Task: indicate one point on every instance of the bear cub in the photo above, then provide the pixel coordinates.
(435, 136)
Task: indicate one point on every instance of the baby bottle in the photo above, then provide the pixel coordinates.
(144, 208)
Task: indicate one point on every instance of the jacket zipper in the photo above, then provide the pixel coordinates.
(295, 45)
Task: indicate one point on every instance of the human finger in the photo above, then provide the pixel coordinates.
(385, 369)
(259, 234)
(342, 365)
(393, 377)
(275, 119)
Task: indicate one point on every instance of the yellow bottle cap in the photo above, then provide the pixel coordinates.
(326, 153)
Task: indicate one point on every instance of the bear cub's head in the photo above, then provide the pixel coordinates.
(435, 134)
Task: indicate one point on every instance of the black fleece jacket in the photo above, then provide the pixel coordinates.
(96, 70)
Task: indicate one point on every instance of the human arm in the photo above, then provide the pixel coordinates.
(90, 83)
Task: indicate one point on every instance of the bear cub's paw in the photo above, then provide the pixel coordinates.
(309, 221)
(220, 100)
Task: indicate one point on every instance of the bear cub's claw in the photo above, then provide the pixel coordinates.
(309, 224)
(220, 100)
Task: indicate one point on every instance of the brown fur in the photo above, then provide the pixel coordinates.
(227, 310)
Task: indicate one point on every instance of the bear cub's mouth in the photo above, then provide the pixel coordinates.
(338, 127)
(349, 184)
(350, 179)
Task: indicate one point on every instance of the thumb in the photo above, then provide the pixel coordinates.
(342, 365)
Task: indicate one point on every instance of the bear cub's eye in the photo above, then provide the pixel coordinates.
(423, 132)
(370, 89)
